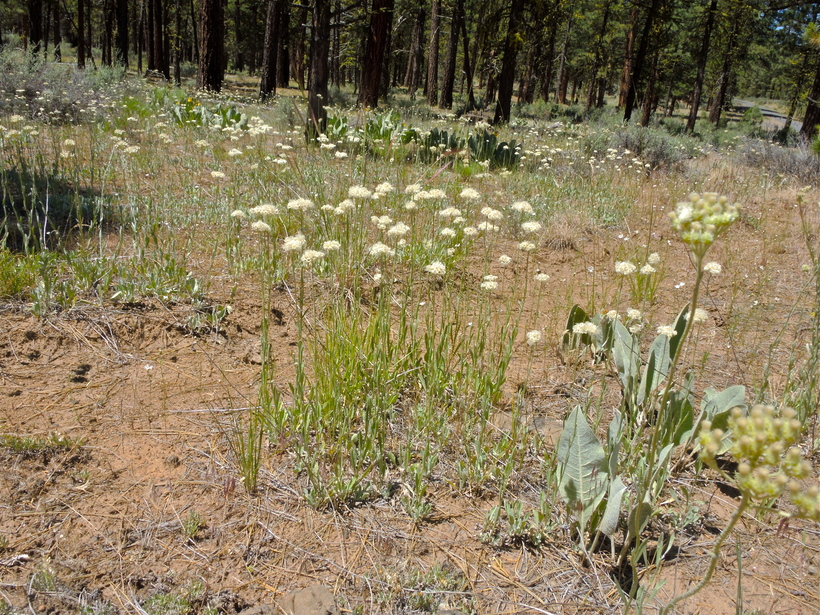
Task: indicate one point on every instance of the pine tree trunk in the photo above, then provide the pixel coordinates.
(412, 77)
(432, 53)
(211, 71)
(546, 85)
(446, 101)
(725, 76)
(697, 91)
(506, 80)
(563, 75)
(283, 53)
(640, 60)
(267, 85)
(81, 34)
(318, 75)
(239, 60)
(35, 25)
(58, 37)
(812, 117)
(122, 32)
(381, 16)
(468, 69)
(630, 48)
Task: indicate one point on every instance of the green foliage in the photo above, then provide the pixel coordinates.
(485, 146)
(191, 112)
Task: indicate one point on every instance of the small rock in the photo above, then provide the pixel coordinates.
(313, 600)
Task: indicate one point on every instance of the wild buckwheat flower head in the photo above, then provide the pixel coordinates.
(345, 206)
(400, 229)
(533, 337)
(385, 188)
(340, 155)
(470, 194)
(308, 256)
(235, 152)
(667, 330)
(766, 468)
(625, 268)
(411, 205)
(522, 207)
(449, 212)
(542, 277)
(491, 214)
(379, 249)
(531, 227)
(359, 192)
(301, 204)
(490, 282)
(504, 260)
(261, 227)
(381, 222)
(470, 231)
(437, 193)
(266, 209)
(238, 214)
(586, 328)
(712, 268)
(412, 188)
(526, 246)
(700, 315)
(647, 269)
(702, 218)
(487, 226)
(653, 259)
(331, 245)
(613, 315)
(69, 143)
(293, 243)
(217, 175)
(436, 268)
(447, 232)
(633, 314)
(422, 195)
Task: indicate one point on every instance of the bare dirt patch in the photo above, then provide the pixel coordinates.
(137, 505)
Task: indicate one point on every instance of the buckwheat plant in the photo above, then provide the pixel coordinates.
(768, 466)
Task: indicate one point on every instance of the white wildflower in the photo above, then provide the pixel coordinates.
(293, 243)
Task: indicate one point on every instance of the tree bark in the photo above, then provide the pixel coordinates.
(630, 48)
(697, 91)
(640, 59)
(468, 69)
(446, 101)
(35, 25)
(318, 74)
(267, 85)
(563, 75)
(506, 80)
(724, 78)
(596, 64)
(80, 33)
(122, 32)
(432, 53)
(58, 54)
(283, 52)
(412, 78)
(812, 117)
(546, 85)
(381, 16)
(211, 71)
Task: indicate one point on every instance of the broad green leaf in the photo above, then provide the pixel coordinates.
(612, 512)
(577, 315)
(679, 326)
(656, 368)
(613, 437)
(582, 467)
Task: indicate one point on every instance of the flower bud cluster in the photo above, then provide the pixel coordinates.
(763, 441)
(702, 218)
